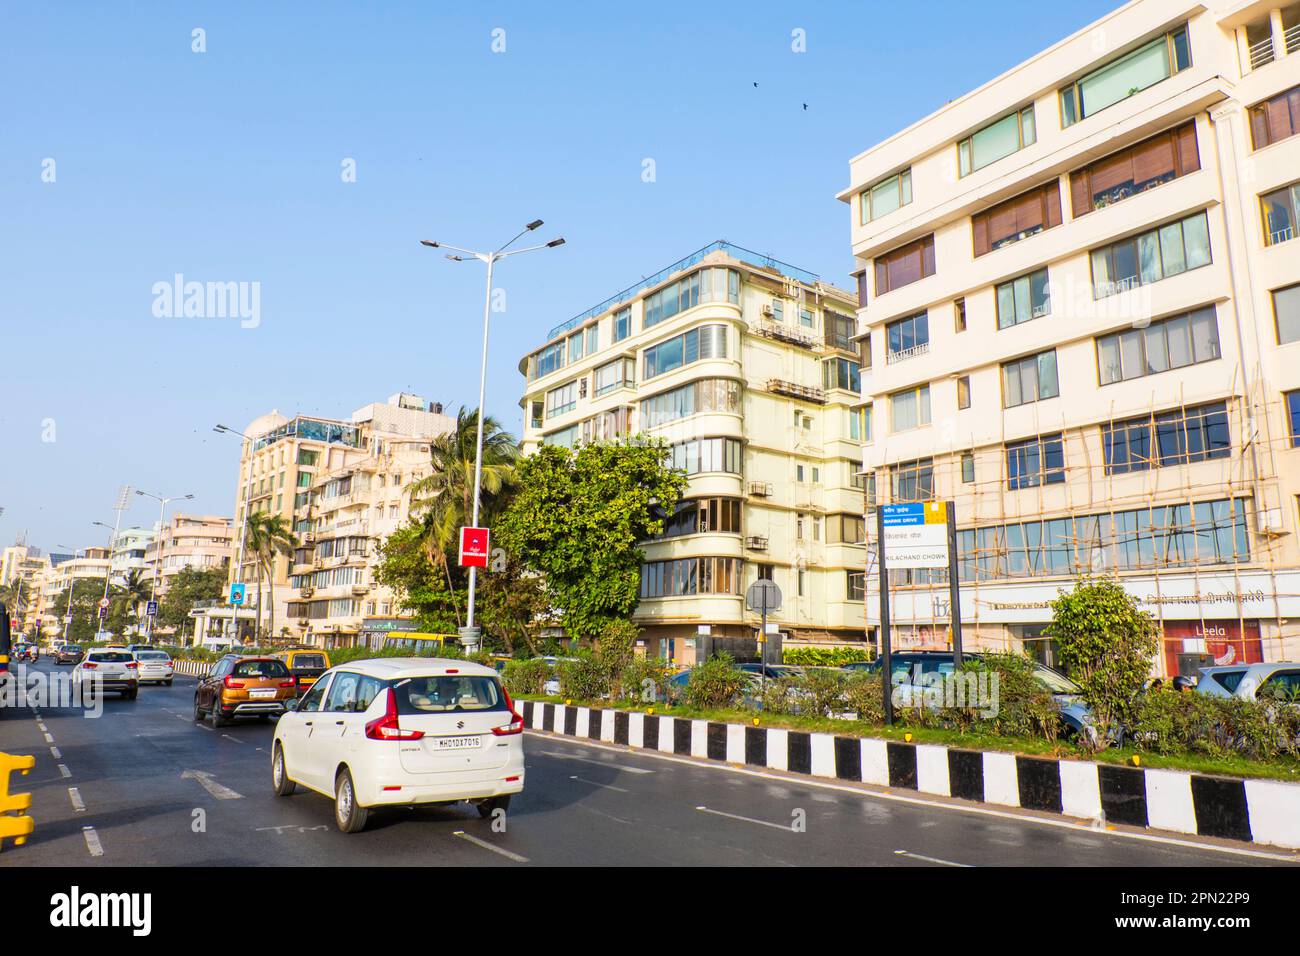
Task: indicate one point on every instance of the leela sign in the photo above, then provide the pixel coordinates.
(915, 535)
(474, 547)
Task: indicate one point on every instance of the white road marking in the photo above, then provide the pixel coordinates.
(488, 846)
(736, 816)
(49, 739)
(63, 769)
(235, 739)
(77, 803)
(929, 804)
(930, 859)
(207, 783)
(42, 726)
(207, 728)
(92, 841)
(600, 763)
(56, 753)
(595, 784)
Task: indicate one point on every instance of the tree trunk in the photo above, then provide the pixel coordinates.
(257, 621)
(270, 584)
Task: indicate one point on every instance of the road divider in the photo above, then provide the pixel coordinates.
(1257, 811)
(192, 668)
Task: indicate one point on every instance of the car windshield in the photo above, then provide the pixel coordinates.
(434, 695)
(1055, 681)
(303, 661)
(1229, 680)
(152, 656)
(263, 669)
(111, 657)
(72, 648)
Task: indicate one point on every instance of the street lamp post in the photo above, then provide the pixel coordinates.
(243, 528)
(469, 634)
(72, 581)
(157, 555)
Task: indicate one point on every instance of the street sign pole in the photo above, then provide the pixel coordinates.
(954, 588)
(885, 670)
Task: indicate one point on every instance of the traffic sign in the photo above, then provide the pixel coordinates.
(103, 613)
(473, 547)
(103, 604)
(151, 609)
(237, 594)
(915, 535)
(763, 596)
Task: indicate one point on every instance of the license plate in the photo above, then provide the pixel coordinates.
(458, 743)
(260, 694)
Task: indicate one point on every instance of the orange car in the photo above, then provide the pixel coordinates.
(242, 686)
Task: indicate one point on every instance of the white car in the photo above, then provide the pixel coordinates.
(110, 671)
(155, 667)
(401, 731)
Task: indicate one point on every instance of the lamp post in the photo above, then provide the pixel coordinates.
(157, 555)
(469, 634)
(72, 581)
(243, 528)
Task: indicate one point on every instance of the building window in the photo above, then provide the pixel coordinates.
(1123, 77)
(1038, 461)
(967, 468)
(707, 454)
(913, 480)
(1281, 211)
(701, 516)
(802, 575)
(840, 330)
(620, 373)
(1293, 416)
(765, 572)
(905, 265)
(885, 196)
(841, 373)
(963, 392)
(1158, 254)
(1017, 218)
(704, 395)
(562, 399)
(859, 423)
(909, 409)
(535, 417)
(565, 438)
(548, 360)
(688, 576)
(1182, 340)
(1275, 119)
(959, 315)
(1286, 314)
(706, 285)
(778, 310)
(908, 336)
(798, 526)
(846, 529)
(798, 473)
(806, 318)
(1150, 163)
(622, 323)
(1022, 299)
(856, 585)
(705, 342)
(996, 141)
(607, 426)
(1030, 379)
(1169, 438)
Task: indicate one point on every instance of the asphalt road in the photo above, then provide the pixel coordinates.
(124, 790)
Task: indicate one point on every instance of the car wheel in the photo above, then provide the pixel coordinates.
(199, 713)
(131, 694)
(489, 806)
(168, 683)
(279, 777)
(350, 816)
(218, 719)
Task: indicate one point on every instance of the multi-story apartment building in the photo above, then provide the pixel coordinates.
(342, 486)
(130, 546)
(188, 541)
(746, 367)
(53, 584)
(1081, 286)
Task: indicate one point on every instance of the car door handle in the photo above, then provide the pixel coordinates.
(338, 723)
(308, 723)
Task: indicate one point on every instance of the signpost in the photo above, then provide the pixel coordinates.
(237, 594)
(763, 596)
(474, 547)
(921, 535)
(151, 609)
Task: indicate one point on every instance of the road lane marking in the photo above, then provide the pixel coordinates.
(206, 727)
(801, 780)
(77, 803)
(56, 753)
(488, 846)
(235, 739)
(599, 763)
(49, 739)
(92, 841)
(42, 726)
(595, 784)
(207, 783)
(735, 816)
(63, 769)
(930, 859)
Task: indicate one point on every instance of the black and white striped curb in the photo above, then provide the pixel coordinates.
(1260, 811)
(193, 668)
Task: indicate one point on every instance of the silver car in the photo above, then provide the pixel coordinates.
(1251, 681)
(155, 667)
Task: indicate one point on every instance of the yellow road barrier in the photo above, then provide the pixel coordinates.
(13, 822)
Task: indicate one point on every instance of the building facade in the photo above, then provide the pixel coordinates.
(53, 585)
(200, 542)
(130, 546)
(1081, 286)
(746, 367)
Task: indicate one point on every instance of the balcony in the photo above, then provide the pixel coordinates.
(1261, 53)
(893, 358)
(756, 542)
(1291, 38)
(807, 393)
(786, 333)
(760, 489)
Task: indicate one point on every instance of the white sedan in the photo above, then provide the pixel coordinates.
(400, 731)
(155, 667)
(109, 671)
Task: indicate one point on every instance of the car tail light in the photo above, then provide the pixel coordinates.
(516, 725)
(90, 665)
(291, 682)
(132, 665)
(233, 684)
(386, 727)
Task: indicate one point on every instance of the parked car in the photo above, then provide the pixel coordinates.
(242, 686)
(109, 671)
(67, 654)
(306, 665)
(155, 667)
(552, 685)
(401, 731)
(770, 671)
(1252, 681)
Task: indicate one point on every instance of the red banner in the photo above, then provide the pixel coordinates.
(473, 547)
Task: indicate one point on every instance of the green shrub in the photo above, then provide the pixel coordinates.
(863, 696)
(526, 677)
(585, 677)
(1169, 722)
(645, 680)
(1024, 707)
(820, 692)
(716, 683)
(780, 695)
(824, 656)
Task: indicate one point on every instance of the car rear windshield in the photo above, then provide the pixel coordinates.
(1229, 680)
(152, 656)
(308, 661)
(264, 669)
(437, 695)
(111, 657)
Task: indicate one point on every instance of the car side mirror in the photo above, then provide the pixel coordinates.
(291, 705)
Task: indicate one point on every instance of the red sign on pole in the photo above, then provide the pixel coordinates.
(473, 547)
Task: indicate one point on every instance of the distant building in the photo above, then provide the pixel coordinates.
(200, 542)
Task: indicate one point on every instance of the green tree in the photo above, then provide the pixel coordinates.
(187, 588)
(86, 593)
(133, 593)
(579, 516)
(269, 536)
(1107, 644)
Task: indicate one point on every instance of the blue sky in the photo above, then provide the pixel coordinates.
(225, 166)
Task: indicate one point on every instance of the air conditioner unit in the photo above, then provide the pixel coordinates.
(1270, 521)
(760, 489)
(306, 592)
(756, 542)
(582, 387)
(767, 312)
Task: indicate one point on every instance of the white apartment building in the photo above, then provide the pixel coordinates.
(746, 367)
(1080, 284)
(129, 548)
(54, 583)
(188, 541)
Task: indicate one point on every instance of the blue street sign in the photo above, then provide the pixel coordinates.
(103, 613)
(151, 609)
(237, 594)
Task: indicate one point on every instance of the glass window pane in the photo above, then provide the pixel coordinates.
(1180, 345)
(1149, 257)
(993, 142)
(885, 198)
(1130, 344)
(1196, 240)
(1157, 350)
(1122, 79)
(1048, 386)
(1006, 305)
(1205, 336)
(1171, 248)
(1286, 309)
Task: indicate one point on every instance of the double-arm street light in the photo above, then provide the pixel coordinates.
(157, 553)
(469, 634)
(72, 581)
(238, 575)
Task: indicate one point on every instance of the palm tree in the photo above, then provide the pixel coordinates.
(444, 500)
(269, 536)
(135, 591)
